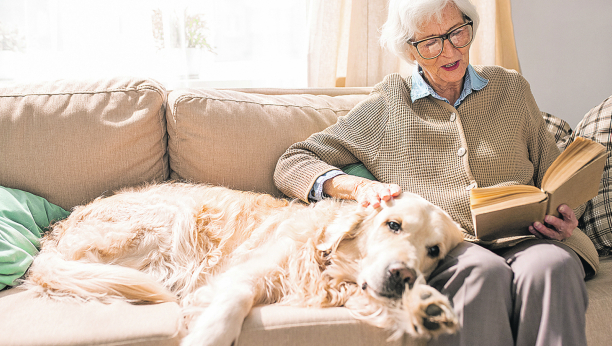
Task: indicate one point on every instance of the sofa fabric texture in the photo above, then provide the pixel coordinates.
(234, 139)
(71, 142)
(30, 320)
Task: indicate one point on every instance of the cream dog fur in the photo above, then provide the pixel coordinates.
(219, 252)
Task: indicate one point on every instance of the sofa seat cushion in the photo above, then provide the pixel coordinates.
(234, 138)
(70, 142)
(600, 305)
(284, 325)
(30, 320)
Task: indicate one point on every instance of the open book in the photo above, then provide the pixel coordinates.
(572, 179)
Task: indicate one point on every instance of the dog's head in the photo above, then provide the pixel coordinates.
(397, 244)
(403, 242)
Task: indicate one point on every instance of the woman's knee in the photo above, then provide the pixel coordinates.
(542, 258)
(542, 264)
(472, 263)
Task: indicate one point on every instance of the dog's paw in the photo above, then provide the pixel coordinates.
(211, 329)
(432, 312)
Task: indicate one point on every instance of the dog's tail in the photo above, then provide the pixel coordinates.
(52, 275)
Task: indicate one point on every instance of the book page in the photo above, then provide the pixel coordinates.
(576, 155)
(506, 203)
(582, 186)
(482, 197)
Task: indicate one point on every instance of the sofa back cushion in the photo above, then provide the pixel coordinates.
(70, 142)
(234, 138)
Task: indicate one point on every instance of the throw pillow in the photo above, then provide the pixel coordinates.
(23, 219)
(596, 221)
(560, 129)
(358, 169)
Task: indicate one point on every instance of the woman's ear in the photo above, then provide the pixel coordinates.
(410, 58)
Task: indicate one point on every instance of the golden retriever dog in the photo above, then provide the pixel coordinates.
(219, 252)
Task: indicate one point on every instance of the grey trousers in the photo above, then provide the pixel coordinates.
(531, 294)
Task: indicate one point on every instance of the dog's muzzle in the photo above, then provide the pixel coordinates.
(397, 276)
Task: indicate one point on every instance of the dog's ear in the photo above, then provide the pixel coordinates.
(344, 226)
(454, 233)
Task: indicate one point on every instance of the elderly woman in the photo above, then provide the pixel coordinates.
(448, 128)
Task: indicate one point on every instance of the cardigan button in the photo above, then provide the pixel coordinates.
(461, 152)
(453, 116)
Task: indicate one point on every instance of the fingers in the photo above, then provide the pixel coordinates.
(568, 214)
(556, 228)
(541, 231)
(395, 190)
(372, 193)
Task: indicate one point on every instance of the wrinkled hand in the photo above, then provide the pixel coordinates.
(366, 192)
(559, 228)
(373, 192)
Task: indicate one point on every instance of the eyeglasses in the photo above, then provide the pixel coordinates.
(459, 37)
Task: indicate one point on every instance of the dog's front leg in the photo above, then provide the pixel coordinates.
(220, 323)
(231, 296)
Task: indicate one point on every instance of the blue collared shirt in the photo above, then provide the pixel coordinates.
(420, 89)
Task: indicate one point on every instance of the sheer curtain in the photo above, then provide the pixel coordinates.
(181, 43)
(494, 43)
(344, 48)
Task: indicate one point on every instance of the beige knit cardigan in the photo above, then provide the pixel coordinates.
(496, 136)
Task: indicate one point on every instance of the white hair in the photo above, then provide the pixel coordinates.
(407, 16)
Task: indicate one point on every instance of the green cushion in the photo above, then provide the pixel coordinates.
(359, 170)
(23, 219)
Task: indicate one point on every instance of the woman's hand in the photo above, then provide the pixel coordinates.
(366, 192)
(372, 193)
(559, 228)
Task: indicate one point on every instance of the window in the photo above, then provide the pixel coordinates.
(189, 43)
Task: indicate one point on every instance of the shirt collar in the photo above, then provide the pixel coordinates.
(420, 89)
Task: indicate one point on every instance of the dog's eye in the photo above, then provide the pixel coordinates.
(433, 251)
(394, 226)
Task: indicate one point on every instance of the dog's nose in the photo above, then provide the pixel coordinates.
(398, 276)
(402, 273)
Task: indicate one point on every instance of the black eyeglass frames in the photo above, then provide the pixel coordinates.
(459, 37)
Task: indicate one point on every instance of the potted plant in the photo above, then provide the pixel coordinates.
(189, 36)
(12, 44)
(196, 43)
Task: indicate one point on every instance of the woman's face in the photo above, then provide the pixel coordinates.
(447, 70)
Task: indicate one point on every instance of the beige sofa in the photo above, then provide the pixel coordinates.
(73, 141)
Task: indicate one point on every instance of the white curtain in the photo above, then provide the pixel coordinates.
(494, 43)
(344, 48)
(181, 43)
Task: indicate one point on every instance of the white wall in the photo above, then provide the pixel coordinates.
(565, 52)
